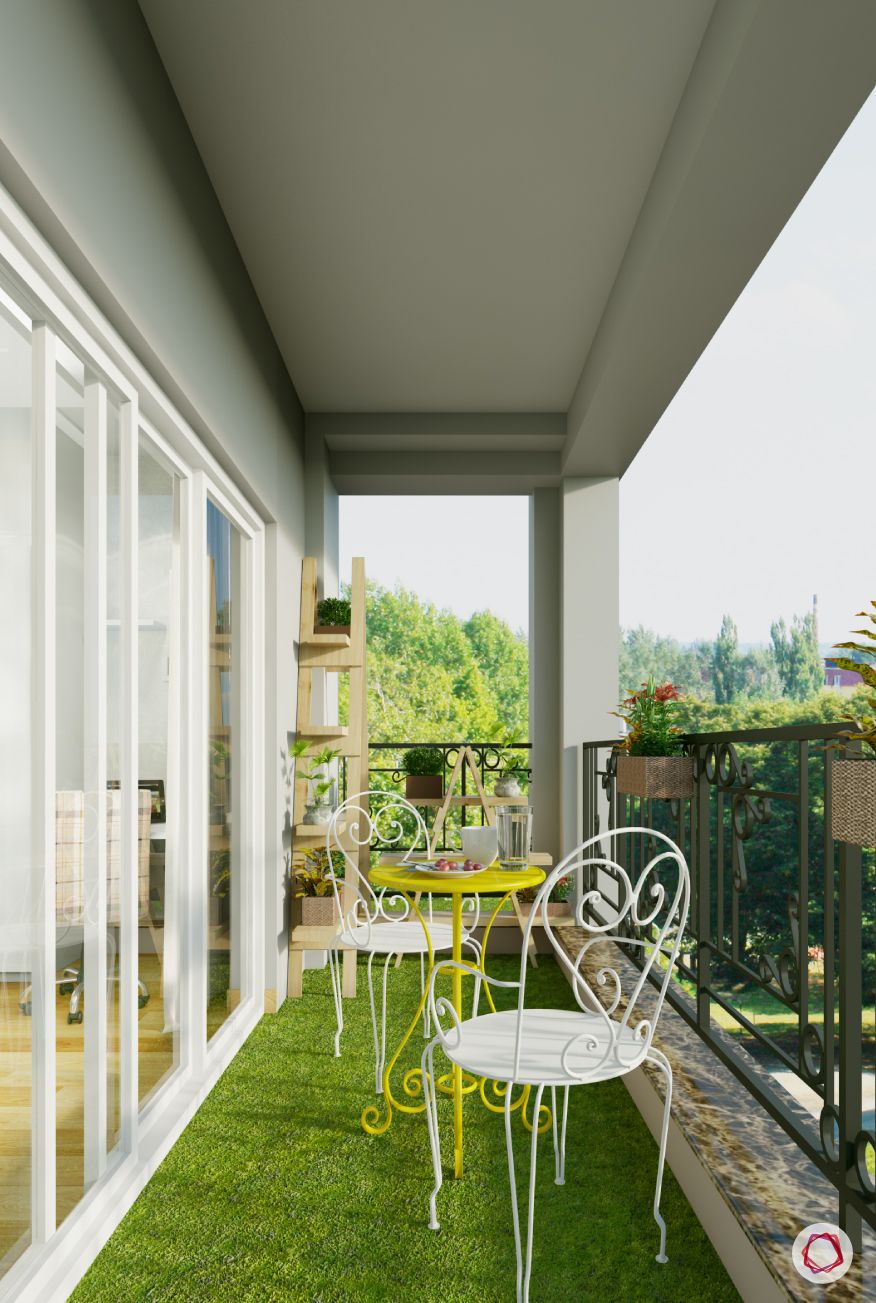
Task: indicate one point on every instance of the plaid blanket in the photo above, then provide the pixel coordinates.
(70, 833)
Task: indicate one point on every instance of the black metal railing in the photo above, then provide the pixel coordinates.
(779, 950)
(386, 772)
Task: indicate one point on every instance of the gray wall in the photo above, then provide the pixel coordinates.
(94, 148)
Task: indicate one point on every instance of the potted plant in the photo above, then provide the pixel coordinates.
(314, 886)
(854, 777)
(318, 810)
(558, 901)
(424, 773)
(650, 762)
(510, 770)
(332, 615)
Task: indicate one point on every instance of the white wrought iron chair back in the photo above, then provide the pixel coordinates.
(644, 908)
(397, 825)
(635, 902)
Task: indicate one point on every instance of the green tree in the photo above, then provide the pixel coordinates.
(644, 654)
(728, 666)
(797, 656)
(432, 677)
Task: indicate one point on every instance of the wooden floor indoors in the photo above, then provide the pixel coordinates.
(155, 1060)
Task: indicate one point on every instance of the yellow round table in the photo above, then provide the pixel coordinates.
(410, 882)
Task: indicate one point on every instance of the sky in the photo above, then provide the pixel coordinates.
(756, 488)
(465, 554)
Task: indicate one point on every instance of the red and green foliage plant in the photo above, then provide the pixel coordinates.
(650, 716)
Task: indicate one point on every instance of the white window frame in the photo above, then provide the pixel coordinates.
(61, 310)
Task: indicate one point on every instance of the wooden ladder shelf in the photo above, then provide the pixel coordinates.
(333, 652)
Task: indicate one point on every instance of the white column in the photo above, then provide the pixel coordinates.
(545, 648)
(590, 631)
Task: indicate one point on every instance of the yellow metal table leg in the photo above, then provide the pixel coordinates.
(457, 1004)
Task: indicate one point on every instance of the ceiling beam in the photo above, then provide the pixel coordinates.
(486, 473)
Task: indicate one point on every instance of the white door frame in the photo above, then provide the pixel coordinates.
(60, 310)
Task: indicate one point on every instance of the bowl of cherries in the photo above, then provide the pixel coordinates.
(453, 868)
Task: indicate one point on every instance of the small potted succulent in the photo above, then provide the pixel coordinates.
(854, 777)
(318, 810)
(424, 773)
(332, 615)
(511, 767)
(650, 762)
(315, 888)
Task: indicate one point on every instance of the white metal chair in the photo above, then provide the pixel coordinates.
(602, 1039)
(382, 923)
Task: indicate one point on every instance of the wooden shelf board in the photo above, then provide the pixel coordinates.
(324, 730)
(325, 641)
(317, 830)
(435, 802)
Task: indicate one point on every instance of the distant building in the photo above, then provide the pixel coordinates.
(839, 680)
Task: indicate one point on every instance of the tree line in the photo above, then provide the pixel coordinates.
(790, 667)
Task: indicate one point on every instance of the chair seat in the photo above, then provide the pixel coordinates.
(486, 1047)
(405, 938)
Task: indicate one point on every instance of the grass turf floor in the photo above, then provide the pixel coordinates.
(274, 1192)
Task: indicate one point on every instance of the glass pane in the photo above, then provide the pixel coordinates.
(70, 794)
(16, 886)
(113, 769)
(223, 878)
(159, 764)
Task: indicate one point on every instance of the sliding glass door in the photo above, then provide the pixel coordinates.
(19, 884)
(130, 727)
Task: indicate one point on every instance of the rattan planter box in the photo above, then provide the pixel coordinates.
(318, 911)
(854, 802)
(656, 778)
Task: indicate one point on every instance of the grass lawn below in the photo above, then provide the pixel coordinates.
(274, 1192)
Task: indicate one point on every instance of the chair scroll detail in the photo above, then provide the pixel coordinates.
(382, 923)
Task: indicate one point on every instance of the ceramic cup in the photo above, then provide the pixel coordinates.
(480, 844)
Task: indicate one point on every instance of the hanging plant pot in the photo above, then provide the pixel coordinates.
(318, 911)
(424, 787)
(854, 802)
(318, 814)
(656, 778)
(507, 787)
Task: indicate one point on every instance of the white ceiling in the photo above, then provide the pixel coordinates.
(432, 200)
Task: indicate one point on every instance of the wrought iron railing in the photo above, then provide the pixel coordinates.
(386, 771)
(780, 942)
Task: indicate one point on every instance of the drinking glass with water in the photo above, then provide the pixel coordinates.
(514, 827)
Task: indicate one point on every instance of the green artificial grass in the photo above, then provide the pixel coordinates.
(275, 1193)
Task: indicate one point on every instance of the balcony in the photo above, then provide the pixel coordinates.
(778, 962)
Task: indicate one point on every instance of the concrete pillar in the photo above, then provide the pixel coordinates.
(545, 536)
(590, 627)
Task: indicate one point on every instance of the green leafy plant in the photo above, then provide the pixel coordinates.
(865, 723)
(333, 610)
(419, 761)
(512, 764)
(650, 715)
(314, 876)
(321, 783)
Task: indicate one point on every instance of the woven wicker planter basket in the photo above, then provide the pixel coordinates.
(318, 911)
(854, 802)
(657, 778)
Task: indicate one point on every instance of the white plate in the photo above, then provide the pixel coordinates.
(428, 866)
